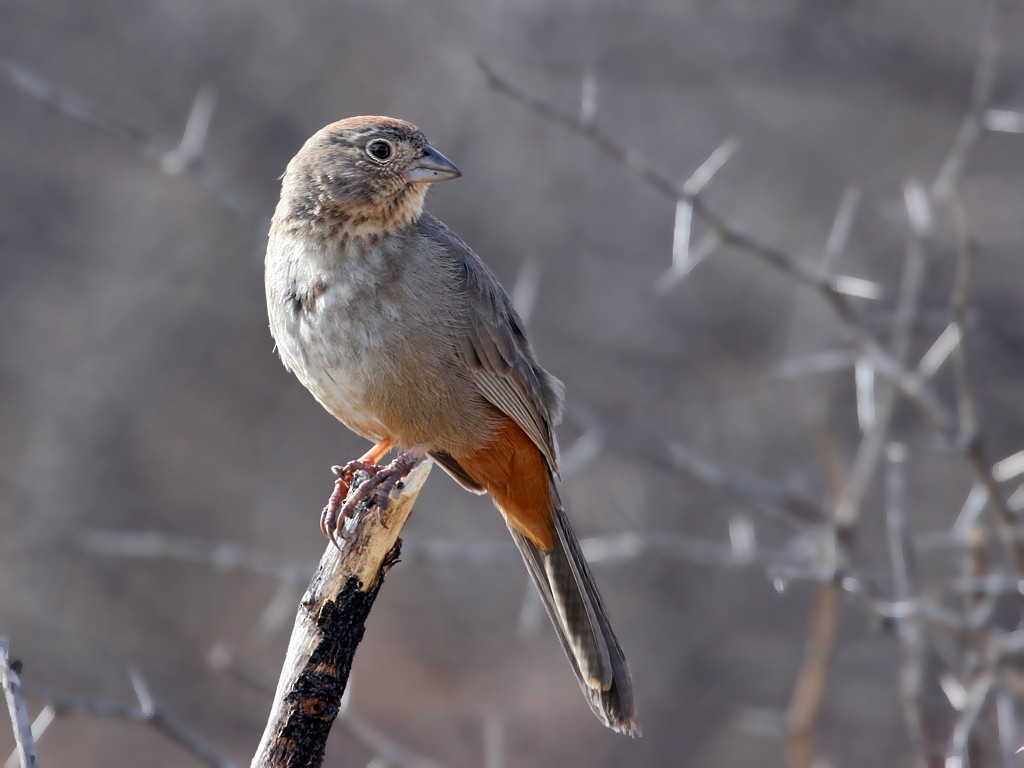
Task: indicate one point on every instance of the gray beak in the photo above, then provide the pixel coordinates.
(430, 167)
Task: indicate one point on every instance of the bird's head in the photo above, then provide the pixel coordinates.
(363, 176)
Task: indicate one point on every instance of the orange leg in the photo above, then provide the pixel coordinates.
(378, 452)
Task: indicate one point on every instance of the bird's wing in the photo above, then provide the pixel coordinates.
(495, 348)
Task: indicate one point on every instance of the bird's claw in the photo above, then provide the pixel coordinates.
(329, 516)
(375, 489)
(347, 471)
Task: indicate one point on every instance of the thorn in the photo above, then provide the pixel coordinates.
(681, 234)
(704, 248)
(973, 506)
(918, 208)
(145, 698)
(864, 380)
(1004, 121)
(940, 350)
(588, 97)
(857, 287)
(1009, 468)
(194, 137)
(742, 539)
(840, 232)
(526, 288)
(700, 177)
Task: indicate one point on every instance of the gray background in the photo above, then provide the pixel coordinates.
(138, 391)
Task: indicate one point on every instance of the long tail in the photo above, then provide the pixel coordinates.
(573, 603)
(516, 474)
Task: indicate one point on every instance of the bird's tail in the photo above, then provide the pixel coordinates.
(572, 602)
(518, 477)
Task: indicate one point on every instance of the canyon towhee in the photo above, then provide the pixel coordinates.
(400, 331)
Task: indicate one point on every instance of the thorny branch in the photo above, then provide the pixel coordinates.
(914, 613)
(909, 629)
(911, 384)
(24, 740)
(805, 705)
(146, 711)
(183, 157)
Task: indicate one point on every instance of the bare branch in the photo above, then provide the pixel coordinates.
(224, 556)
(25, 745)
(635, 161)
(759, 492)
(910, 383)
(1006, 722)
(805, 704)
(147, 711)
(974, 702)
(173, 158)
(904, 570)
(328, 628)
(982, 86)
(869, 454)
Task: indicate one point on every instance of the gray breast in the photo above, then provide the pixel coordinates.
(371, 331)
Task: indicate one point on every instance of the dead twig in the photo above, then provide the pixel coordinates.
(911, 384)
(761, 493)
(805, 703)
(909, 630)
(146, 710)
(174, 158)
(869, 453)
(25, 745)
(327, 631)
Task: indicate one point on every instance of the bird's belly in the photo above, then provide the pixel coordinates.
(387, 381)
(345, 397)
(332, 365)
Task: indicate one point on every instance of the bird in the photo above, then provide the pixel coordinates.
(403, 333)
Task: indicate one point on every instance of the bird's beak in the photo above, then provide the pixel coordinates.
(430, 167)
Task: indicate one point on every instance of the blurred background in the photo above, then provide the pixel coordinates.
(155, 456)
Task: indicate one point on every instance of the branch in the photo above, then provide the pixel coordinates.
(869, 453)
(904, 568)
(801, 270)
(328, 628)
(25, 746)
(910, 383)
(805, 704)
(182, 158)
(761, 493)
(982, 87)
(146, 711)
(974, 703)
(224, 556)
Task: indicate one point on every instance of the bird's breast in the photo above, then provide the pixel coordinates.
(355, 333)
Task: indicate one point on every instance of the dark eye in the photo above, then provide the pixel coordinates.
(379, 150)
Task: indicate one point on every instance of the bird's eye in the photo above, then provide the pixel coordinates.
(379, 150)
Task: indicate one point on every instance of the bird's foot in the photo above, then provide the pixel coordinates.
(346, 472)
(375, 489)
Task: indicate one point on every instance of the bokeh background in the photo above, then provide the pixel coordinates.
(139, 393)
